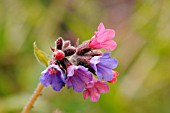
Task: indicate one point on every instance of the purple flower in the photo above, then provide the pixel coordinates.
(77, 77)
(53, 76)
(94, 89)
(103, 66)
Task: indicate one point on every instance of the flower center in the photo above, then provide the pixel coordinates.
(52, 71)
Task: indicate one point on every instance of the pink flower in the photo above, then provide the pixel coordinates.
(115, 74)
(94, 89)
(103, 39)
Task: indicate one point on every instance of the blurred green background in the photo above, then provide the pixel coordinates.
(142, 34)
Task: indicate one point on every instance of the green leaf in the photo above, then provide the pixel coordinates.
(41, 56)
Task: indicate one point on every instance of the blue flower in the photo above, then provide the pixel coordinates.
(103, 66)
(77, 77)
(53, 76)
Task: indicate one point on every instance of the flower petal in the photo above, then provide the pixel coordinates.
(90, 84)
(78, 85)
(70, 71)
(106, 35)
(109, 63)
(94, 95)
(84, 74)
(112, 45)
(102, 87)
(45, 79)
(105, 73)
(101, 27)
(77, 77)
(57, 83)
(86, 93)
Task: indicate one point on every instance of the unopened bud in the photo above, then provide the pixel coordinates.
(83, 48)
(59, 55)
(59, 43)
(85, 61)
(94, 53)
(66, 44)
(65, 63)
(69, 51)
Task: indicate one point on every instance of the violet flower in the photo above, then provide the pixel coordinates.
(94, 89)
(53, 76)
(103, 39)
(77, 77)
(103, 66)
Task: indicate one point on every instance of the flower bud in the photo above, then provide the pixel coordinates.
(83, 48)
(59, 55)
(94, 53)
(66, 44)
(59, 43)
(85, 61)
(65, 63)
(69, 51)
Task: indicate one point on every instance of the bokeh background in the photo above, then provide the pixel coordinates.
(142, 34)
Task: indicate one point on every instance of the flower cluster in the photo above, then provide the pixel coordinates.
(75, 66)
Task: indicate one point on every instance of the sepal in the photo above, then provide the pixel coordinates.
(41, 56)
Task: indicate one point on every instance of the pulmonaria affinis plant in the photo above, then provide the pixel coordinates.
(84, 68)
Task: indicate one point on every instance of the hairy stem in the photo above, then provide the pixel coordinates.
(34, 97)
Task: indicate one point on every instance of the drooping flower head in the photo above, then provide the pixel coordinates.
(77, 77)
(53, 76)
(94, 88)
(103, 66)
(103, 39)
(73, 65)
